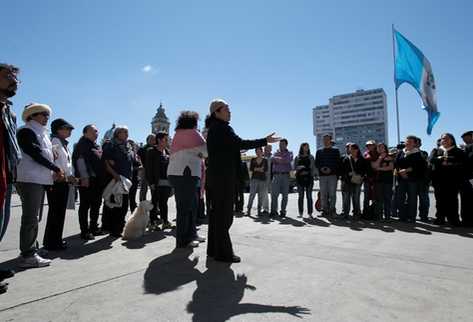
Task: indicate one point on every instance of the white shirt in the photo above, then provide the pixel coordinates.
(191, 158)
(62, 157)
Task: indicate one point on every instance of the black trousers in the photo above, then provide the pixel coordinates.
(117, 217)
(90, 200)
(222, 194)
(162, 196)
(239, 197)
(466, 192)
(57, 204)
(446, 194)
(132, 195)
(186, 208)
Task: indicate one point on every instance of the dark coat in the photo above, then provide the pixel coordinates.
(87, 150)
(156, 165)
(224, 147)
(413, 160)
(360, 166)
(452, 169)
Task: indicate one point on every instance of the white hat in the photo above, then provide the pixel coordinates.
(216, 104)
(34, 108)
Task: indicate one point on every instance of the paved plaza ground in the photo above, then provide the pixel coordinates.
(292, 269)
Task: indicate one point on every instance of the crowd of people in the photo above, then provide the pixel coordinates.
(205, 172)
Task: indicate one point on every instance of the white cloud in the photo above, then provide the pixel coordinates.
(147, 69)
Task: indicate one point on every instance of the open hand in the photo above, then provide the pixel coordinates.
(273, 139)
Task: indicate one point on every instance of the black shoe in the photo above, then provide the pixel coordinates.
(87, 236)
(273, 214)
(233, 259)
(439, 221)
(282, 214)
(425, 220)
(3, 287)
(6, 273)
(55, 248)
(98, 232)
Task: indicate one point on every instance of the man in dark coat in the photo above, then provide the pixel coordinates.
(224, 147)
(89, 168)
(466, 191)
(9, 152)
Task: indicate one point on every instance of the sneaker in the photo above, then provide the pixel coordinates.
(193, 244)
(200, 239)
(33, 261)
(167, 225)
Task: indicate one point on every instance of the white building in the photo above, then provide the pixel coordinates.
(355, 117)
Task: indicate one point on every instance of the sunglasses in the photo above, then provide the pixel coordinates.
(45, 114)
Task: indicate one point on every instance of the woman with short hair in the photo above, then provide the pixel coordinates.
(184, 171)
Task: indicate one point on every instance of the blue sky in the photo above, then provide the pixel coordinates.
(273, 61)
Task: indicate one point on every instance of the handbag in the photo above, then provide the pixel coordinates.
(355, 178)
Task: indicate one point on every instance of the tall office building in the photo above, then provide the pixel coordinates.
(355, 117)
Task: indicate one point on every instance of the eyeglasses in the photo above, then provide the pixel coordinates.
(12, 77)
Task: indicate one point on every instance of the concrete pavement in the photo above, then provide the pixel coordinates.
(294, 268)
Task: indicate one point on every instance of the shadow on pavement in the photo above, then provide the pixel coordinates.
(148, 238)
(218, 293)
(78, 248)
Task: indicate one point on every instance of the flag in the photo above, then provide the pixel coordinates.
(414, 68)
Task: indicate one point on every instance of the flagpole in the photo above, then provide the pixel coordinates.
(395, 90)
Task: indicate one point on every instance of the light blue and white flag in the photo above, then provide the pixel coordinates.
(414, 68)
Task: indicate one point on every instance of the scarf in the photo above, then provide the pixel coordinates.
(12, 149)
(406, 153)
(123, 147)
(186, 139)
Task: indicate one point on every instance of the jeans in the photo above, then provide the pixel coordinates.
(90, 200)
(257, 187)
(185, 188)
(384, 196)
(57, 204)
(424, 201)
(32, 197)
(265, 201)
(328, 193)
(352, 195)
(5, 211)
(406, 199)
(307, 191)
(279, 185)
